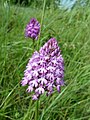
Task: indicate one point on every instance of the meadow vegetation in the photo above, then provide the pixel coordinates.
(72, 31)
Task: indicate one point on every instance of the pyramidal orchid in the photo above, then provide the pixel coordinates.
(32, 29)
(45, 70)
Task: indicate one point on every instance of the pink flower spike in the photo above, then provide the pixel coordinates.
(45, 69)
(32, 29)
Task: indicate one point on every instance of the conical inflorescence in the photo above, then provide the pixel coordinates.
(45, 70)
(32, 29)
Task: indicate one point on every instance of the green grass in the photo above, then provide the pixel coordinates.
(72, 30)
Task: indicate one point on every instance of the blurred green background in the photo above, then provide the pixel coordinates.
(71, 27)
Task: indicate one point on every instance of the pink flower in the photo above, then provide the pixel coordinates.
(29, 89)
(42, 81)
(39, 90)
(45, 70)
(32, 29)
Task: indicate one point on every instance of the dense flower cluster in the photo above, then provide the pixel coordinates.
(45, 70)
(32, 29)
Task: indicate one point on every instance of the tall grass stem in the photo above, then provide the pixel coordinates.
(42, 18)
(36, 111)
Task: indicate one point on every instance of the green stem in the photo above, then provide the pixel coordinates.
(33, 45)
(36, 111)
(43, 12)
(29, 112)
